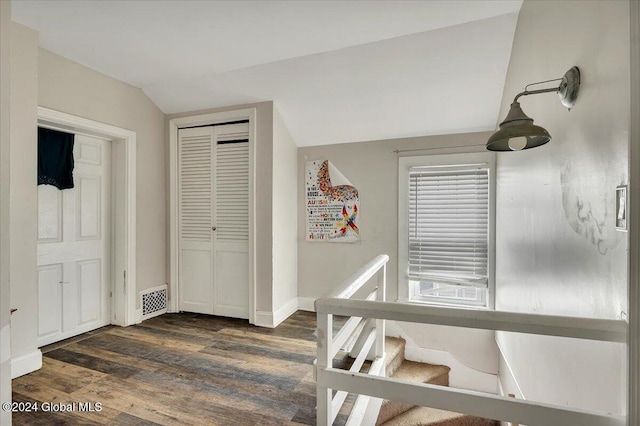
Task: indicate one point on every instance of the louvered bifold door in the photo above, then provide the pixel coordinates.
(231, 220)
(195, 204)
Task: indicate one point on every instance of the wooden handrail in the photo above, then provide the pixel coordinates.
(548, 325)
(356, 280)
(328, 346)
(459, 400)
(337, 302)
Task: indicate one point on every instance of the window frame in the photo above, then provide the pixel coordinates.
(404, 165)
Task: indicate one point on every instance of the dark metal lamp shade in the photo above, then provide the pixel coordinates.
(517, 132)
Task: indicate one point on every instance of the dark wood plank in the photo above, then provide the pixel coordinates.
(93, 363)
(124, 419)
(56, 375)
(225, 347)
(226, 368)
(182, 369)
(46, 418)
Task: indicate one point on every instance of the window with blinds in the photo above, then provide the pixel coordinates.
(448, 224)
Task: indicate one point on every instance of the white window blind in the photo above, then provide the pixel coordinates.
(449, 224)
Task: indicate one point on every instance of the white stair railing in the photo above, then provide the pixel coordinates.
(374, 384)
(329, 344)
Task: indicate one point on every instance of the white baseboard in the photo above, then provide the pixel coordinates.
(5, 344)
(507, 382)
(307, 304)
(264, 319)
(285, 311)
(25, 364)
(273, 319)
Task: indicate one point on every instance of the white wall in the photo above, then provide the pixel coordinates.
(43, 78)
(557, 249)
(23, 198)
(372, 167)
(263, 190)
(285, 220)
(5, 306)
(69, 87)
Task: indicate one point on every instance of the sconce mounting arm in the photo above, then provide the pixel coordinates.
(567, 90)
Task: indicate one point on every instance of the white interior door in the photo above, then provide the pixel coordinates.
(74, 247)
(213, 216)
(195, 202)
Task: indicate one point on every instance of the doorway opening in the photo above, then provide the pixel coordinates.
(105, 153)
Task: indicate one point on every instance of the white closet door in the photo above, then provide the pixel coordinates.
(214, 220)
(231, 220)
(196, 148)
(74, 247)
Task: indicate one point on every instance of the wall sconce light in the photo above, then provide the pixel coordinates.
(517, 131)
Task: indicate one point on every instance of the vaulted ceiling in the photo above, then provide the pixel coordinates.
(338, 71)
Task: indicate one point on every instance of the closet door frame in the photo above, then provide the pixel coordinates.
(204, 120)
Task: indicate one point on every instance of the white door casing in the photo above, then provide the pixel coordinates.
(74, 252)
(123, 197)
(213, 211)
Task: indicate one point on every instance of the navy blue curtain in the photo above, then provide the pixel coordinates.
(55, 158)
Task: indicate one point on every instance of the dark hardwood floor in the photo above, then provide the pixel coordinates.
(179, 369)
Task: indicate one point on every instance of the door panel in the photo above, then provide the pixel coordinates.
(74, 241)
(89, 278)
(49, 214)
(231, 219)
(49, 300)
(232, 274)
(197, 288)
(194, 213)
(88, 205)
(213, 217)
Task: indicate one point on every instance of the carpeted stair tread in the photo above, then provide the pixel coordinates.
(416, 372)
(425, 416)
(420, 372)
(394, 353)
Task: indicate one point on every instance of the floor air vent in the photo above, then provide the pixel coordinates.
(154, 302)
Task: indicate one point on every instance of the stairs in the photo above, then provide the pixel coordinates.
(393, 413)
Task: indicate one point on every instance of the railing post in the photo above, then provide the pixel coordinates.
(381, 297)
(323, 394)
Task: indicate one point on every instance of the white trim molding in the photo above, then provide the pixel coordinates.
(507, 383)
(25, 364)
(307, 304)
(274, 319)
(507, 377)
(404, 166)
(285, 311)
(264, 319)
(66, 122)
(5, 343)
(633, 260)
(204, 120)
